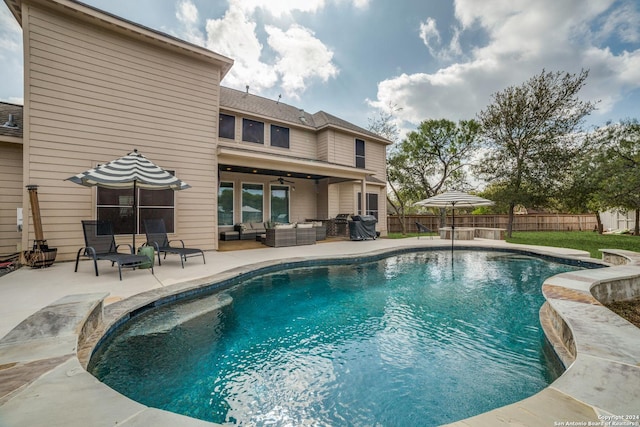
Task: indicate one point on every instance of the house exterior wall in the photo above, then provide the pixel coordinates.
(10, 196)
(92, 96)
(323, 138)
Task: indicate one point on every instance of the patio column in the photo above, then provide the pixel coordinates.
(363, 196)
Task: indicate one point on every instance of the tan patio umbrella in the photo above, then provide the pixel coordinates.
(454, 199)
(131, 171)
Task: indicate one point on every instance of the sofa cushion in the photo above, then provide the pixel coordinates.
(305, 225)
(284, 226)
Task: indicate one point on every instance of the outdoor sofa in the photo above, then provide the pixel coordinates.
(250, 230)
(290, 235)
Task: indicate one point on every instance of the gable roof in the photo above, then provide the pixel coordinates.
(16, 111)
(243, 102)
(115, 23)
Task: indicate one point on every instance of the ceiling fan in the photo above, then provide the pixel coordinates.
(281, 180)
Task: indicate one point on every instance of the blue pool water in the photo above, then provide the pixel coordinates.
(413, 339)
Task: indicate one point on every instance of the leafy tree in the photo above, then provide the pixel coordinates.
(617, 168)
(527, 130)
(385, 126)
(431, 159)
(579, 192)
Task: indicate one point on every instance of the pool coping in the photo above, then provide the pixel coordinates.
(53, 359)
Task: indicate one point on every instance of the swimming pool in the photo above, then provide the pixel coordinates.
(410, 339)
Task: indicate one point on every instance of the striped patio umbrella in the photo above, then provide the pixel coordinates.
(454, 199)
(131, 171)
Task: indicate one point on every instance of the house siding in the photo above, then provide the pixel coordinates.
(10, 196)
(343, 147)
(92, 96)
(323, 139)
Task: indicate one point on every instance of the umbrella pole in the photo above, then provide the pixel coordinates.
(453, 227)
(135, 213)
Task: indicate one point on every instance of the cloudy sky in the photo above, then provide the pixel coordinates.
(429, 59)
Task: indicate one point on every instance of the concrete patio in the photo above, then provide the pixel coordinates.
(42, 381)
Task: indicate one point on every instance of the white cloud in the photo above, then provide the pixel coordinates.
(622, 22)
(430, 35)
(234, 35)
(11, 73)
(280, 8)
(301, 57)
(432, 40)
(10, 33)
(523, 38)
(187, 15)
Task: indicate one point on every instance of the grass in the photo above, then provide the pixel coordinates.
(584, 240)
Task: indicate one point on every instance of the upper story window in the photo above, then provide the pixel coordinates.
(227, 126)
(252, 131)
(360, 154)
(279, 136)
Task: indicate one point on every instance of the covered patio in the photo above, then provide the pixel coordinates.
(267, 188)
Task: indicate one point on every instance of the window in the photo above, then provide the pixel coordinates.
(280, 203)
(227, 126)
(117, 206)
(279, 136)
(252, 195)
(360, 154)
(225, 203)
(252, 131)
(372, 204)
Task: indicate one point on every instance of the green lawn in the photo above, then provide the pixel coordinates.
(585, 240)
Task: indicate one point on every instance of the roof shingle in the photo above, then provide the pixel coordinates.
(237, 100)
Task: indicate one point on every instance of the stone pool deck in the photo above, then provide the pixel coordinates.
(50, 318)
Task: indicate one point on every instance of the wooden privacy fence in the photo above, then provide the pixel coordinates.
(529, 222)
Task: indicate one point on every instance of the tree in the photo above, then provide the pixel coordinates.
(384, 126)
(528, 132)
(431, 159)
(580, 188)
(617, 168)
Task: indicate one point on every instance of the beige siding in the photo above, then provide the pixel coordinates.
(93, 96)
(304, 201)
(322, 210)
(333, 200)
(323, 145)
(10, 196)
(375, 159)
(344, 149)
(347, 198)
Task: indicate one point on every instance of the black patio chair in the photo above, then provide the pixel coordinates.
(424, 229)
(157, 238)
(101, 245)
